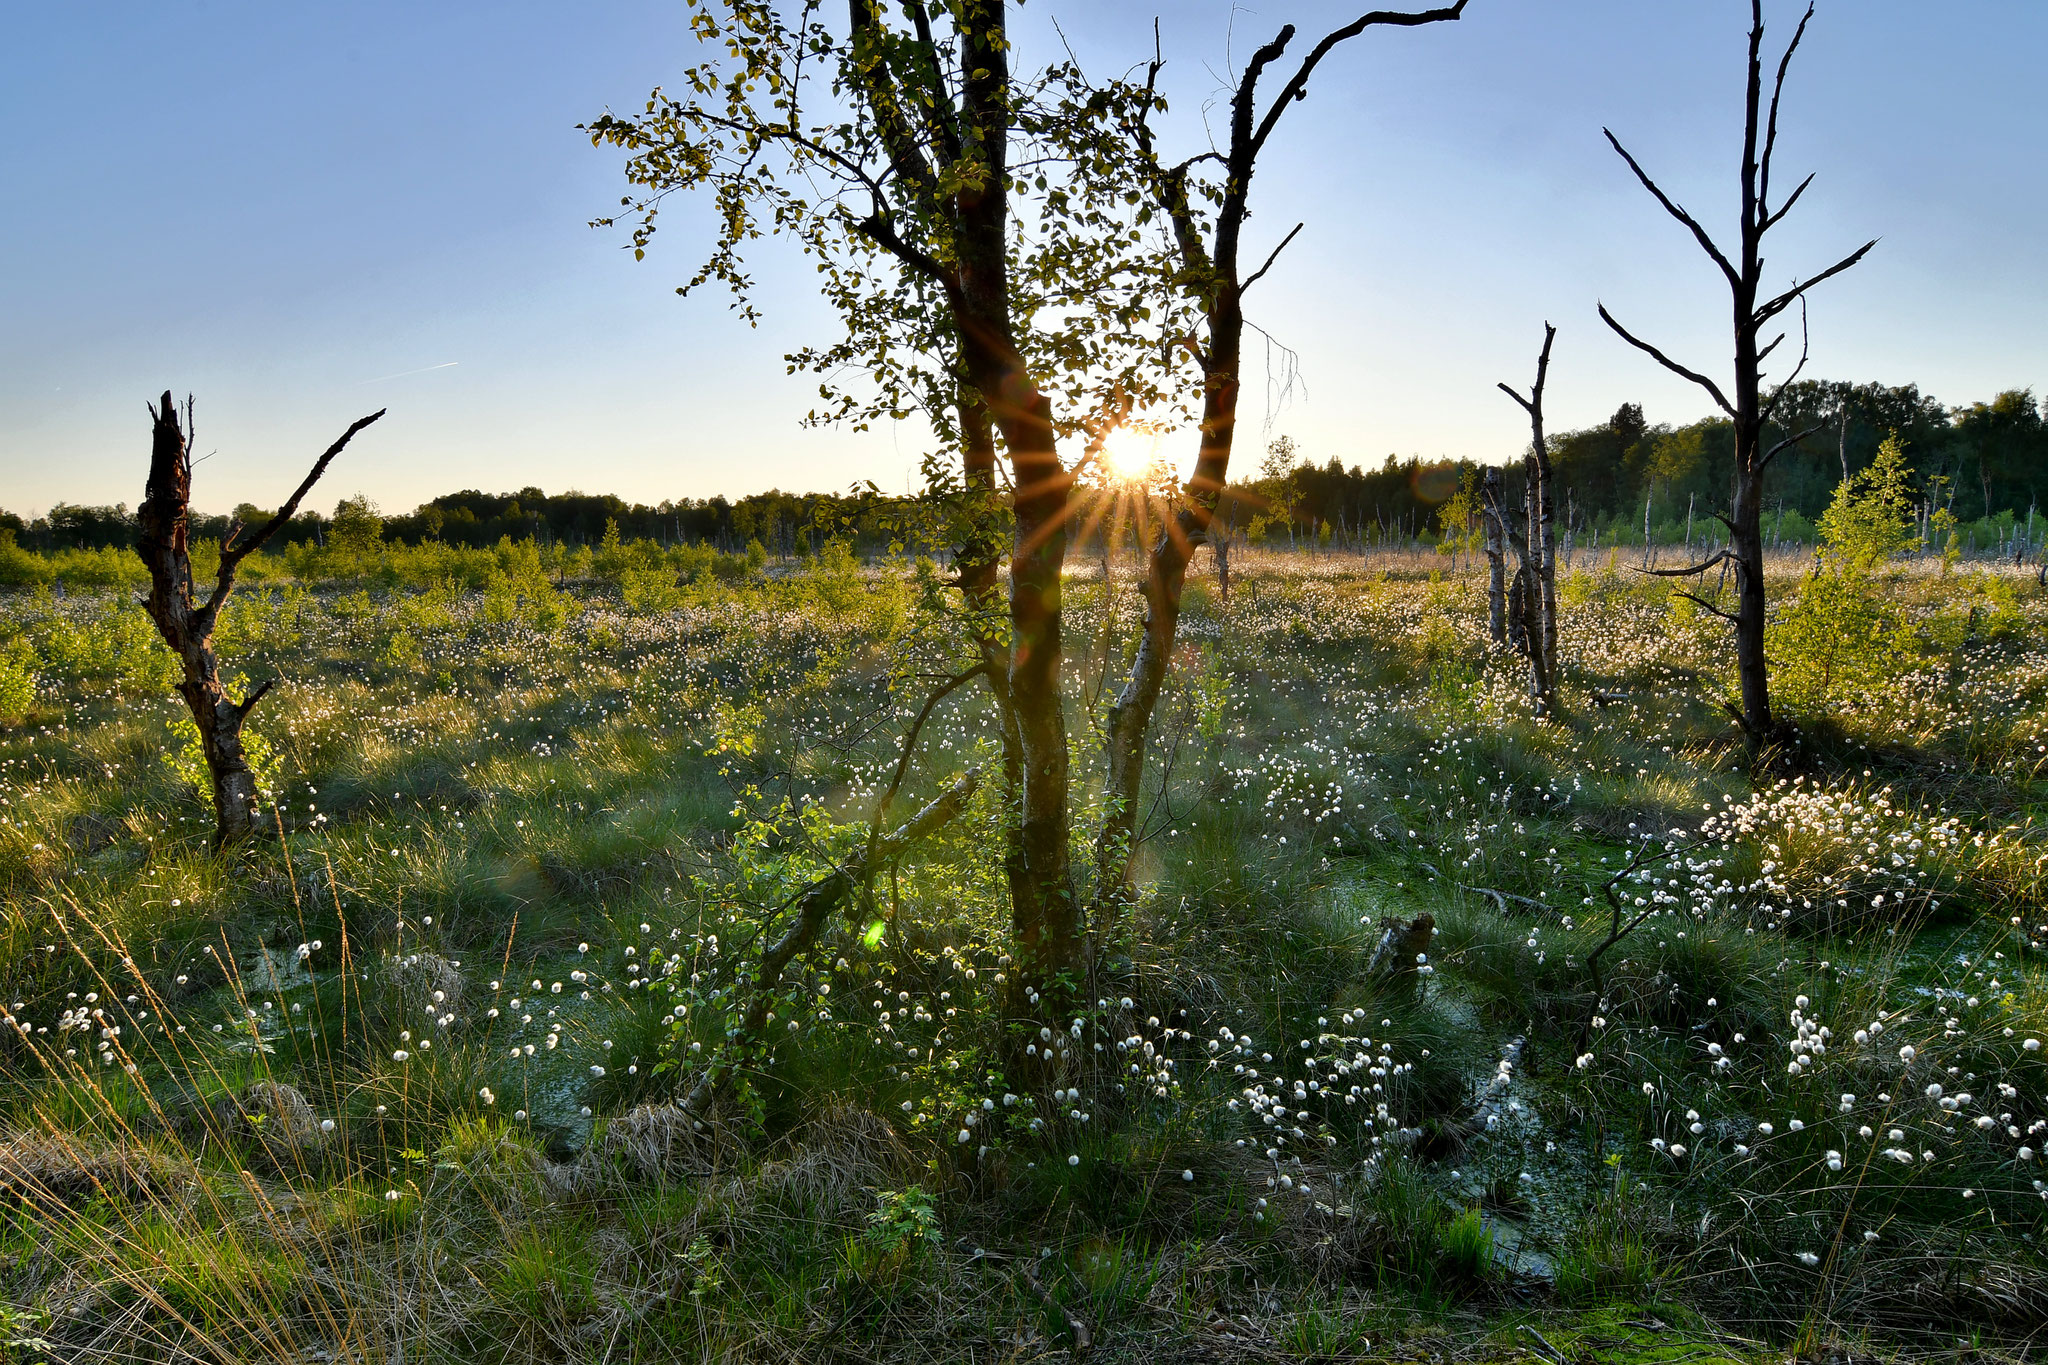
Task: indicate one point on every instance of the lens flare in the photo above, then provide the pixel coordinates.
(1129, 453)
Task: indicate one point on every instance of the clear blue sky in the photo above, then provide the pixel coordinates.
(293, 210)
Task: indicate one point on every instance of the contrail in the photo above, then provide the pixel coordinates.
(404, 373)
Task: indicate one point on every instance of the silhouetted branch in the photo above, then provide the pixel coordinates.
(1667, 362)
(1699, 233)
(1272, 258)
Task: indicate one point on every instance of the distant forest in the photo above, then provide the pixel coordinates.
(1986, 463)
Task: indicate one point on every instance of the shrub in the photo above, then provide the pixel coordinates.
(18, 673)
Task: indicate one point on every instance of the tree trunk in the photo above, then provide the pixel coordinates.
(1496, 560)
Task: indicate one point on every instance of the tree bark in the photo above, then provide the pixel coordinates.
(163, 524)
(1496, 559)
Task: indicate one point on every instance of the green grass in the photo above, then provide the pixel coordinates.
(574, 807)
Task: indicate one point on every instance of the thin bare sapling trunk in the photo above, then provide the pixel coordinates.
(163, 525)
(1496, 557)
(1748, 410)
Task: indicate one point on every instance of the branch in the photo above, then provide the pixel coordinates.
(1296, 87)
(1272, 258)
(1667, 362)
(817, 902)
(236, 553)
(1773, 219)
(1763, 190)
(1784, 300)
(1699, 233)
(1689, 570)
(1533, 404)
(248, 703)
(1788, 443)
(233, 553)
(1709, 606)
(878, 228)
(909, 750)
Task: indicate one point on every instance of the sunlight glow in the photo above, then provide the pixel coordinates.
(1130, 453)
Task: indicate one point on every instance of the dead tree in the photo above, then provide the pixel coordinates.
(164, 528)
(1209, 247)
(1537, 583)
(1747, 408)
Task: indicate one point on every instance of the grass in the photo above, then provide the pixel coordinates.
(398, 1079)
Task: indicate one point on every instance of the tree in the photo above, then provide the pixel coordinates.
(1845, 629)
(163, 526)
(1747, 408)
(1213, 276)
(999, 335)
(357, 530)
(948, 312)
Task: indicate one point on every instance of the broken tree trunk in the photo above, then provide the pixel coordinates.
(1539, 541)
(163, 525)
(1402, 949)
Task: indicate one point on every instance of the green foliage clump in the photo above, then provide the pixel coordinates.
(1845, 632)
(18, 672)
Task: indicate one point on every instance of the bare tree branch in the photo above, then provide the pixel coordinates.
(1791, 441)
(1667, 362)
(1763, 190)
(1689, 570)
(1785, 300)
(235, 551)
(1699, 233)
(1729, 617)
(1296, 87)
(1256, 274)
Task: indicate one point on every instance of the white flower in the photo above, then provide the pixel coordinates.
(1187, 1175)
(1074, 1160)
(1808, 1258)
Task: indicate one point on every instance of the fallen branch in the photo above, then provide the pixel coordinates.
(815, 907)
(1500, 898)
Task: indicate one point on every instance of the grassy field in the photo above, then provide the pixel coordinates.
(398, 1080)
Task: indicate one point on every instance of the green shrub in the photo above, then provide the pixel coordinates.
(18, 673)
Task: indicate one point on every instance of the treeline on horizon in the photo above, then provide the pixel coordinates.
(1985, 463)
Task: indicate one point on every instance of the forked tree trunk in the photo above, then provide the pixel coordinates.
(163, 524)
(1215, 265)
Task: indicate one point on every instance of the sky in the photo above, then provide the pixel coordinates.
(299, 213)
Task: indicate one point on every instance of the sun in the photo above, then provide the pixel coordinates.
(1129, 454)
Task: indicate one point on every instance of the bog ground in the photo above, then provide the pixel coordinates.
(1701, 1059)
